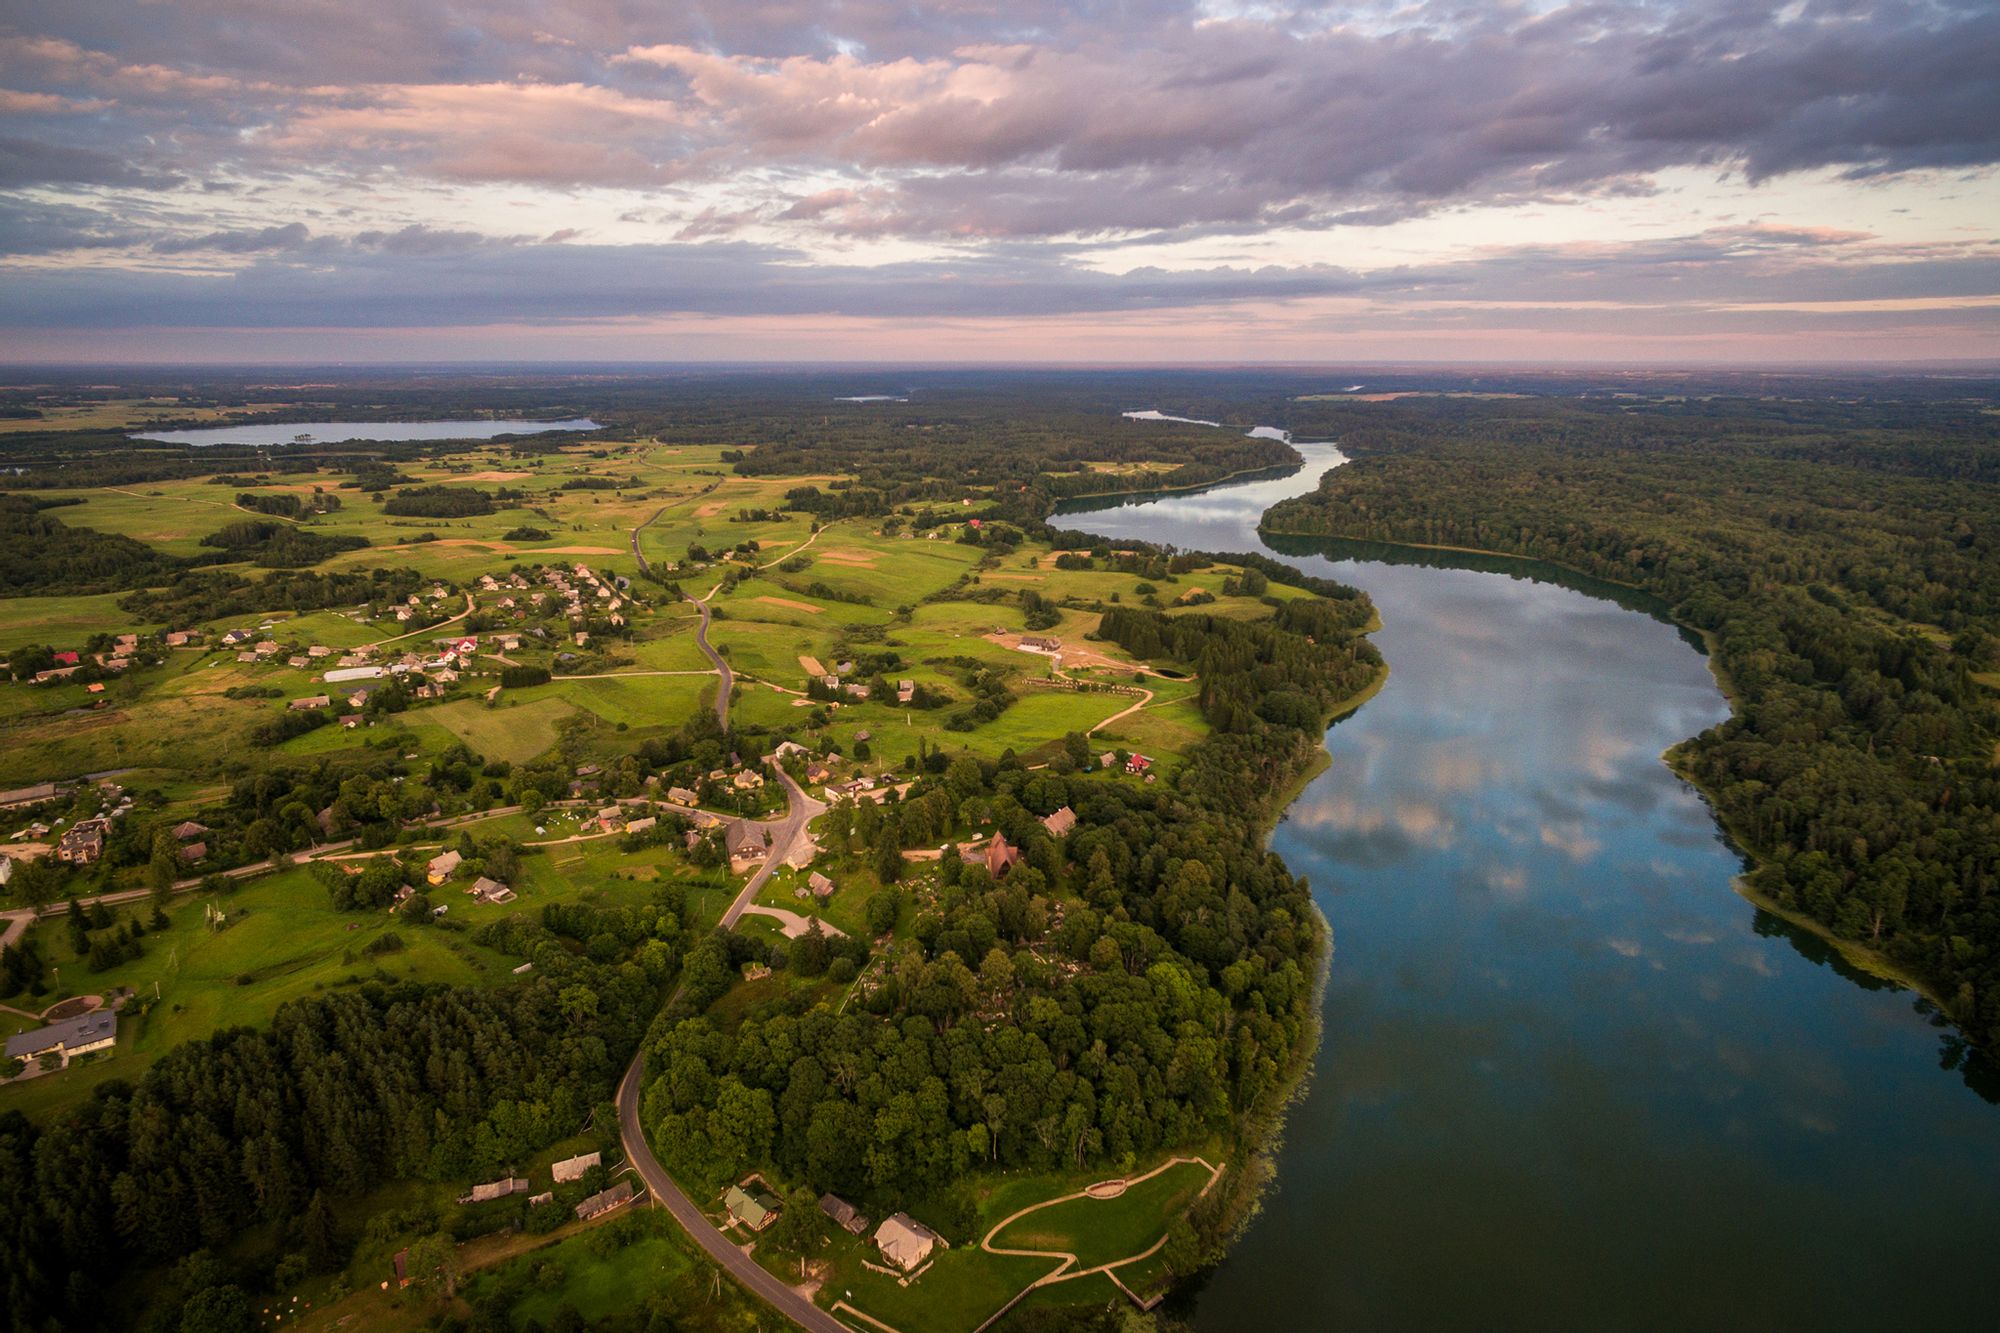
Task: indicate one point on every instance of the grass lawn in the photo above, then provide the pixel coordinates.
(515, 732)
(962, 1288)
(1103, 1231)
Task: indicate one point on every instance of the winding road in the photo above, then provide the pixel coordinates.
(799, 811)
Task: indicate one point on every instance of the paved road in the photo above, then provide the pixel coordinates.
(800, 810)
(727, 681)
(718, 1246)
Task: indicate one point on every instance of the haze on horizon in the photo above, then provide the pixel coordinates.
(1039, 180)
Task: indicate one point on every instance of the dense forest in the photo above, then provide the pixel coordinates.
(341, 1094)
(1844, 563)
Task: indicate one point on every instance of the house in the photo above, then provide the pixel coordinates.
(603, 1202)
(855, 691)
(193, 851)
(308, 703)
(1001, 856)
(572, 1168)
(350, 720)
(189, 830)
(789, 748)
(236, 636)
(905, 1242)
(360, 698)
(319, 650)
(54, 673)
(817, 773)
(95, 687)
(179, 638)
(821, 886)
(611, 819)
(747, 780)
(754, 1207)
(498, 1189)
(1107, 759)
(641, 825)
(299, 662)
(266, 648)
(443, 867)
(844, 1214)
(746, 844)
(1060, 823)
(905, 691)
(490, 891)
(1040, 643)
(67, 1038)
(1138, 763)
(681, 796)
(84, 843)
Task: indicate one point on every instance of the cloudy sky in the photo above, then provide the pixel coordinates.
(1096, 180)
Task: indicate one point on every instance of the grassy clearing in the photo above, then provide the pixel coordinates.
(515, 732)
(1105, 1231)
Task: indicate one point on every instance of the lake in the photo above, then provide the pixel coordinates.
(340, 432)
(1568, 1077)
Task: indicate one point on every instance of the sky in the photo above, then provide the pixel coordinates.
(1097, 181)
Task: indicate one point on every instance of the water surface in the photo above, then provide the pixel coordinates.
(340, 432)
(1568, 1078)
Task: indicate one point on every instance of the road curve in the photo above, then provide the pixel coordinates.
(737, 1264)
(800, 809)
(728, 677)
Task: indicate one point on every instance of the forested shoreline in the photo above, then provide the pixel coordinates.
(1845, 576)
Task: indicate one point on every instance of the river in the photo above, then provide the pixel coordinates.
(1568, 1078)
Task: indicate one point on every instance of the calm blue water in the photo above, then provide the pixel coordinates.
(1568, 1078)
(339, 432)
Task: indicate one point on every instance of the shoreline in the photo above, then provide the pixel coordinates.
(1856, 953)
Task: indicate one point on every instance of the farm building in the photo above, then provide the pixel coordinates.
(906, 1242)
(572, 1168)
(443, 866)
(604, 1201)
(844, 1214)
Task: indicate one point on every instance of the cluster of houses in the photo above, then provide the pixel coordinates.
(566, 1172)
(579, 589)
(443, 867)
(905, 1243)
(69, 661)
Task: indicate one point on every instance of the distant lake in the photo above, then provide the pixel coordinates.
(340, 432)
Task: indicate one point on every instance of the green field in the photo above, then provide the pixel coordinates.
(1106, 1231)
(509, 730)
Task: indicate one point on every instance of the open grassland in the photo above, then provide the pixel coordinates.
(1105, 1231)
(507, 729)
(967, 1284)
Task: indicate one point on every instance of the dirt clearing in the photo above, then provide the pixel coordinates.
(792, 605)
